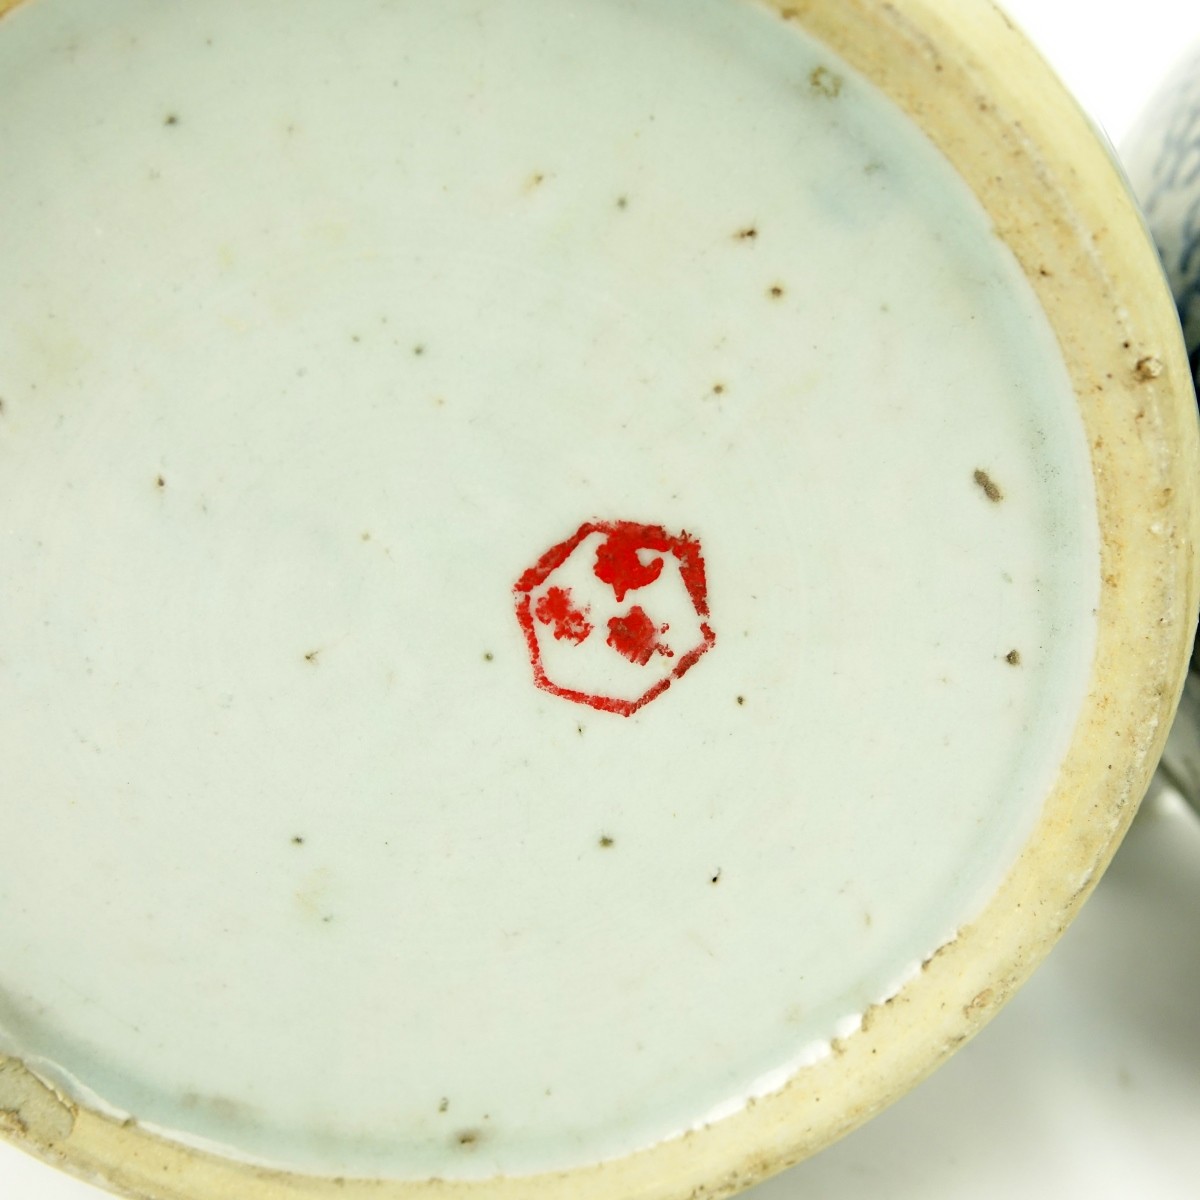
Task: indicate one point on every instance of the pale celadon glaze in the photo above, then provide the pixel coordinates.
(321, 323)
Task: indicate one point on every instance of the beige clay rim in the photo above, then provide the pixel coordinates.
(983, 95)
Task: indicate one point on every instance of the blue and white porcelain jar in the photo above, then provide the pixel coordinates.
(1163, 159)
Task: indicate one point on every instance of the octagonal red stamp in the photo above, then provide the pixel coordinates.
(615, 614)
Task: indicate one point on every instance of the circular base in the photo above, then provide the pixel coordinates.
(554, 559)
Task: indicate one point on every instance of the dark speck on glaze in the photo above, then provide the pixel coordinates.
(988, 485)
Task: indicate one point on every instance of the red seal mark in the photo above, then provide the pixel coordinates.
(615, 614)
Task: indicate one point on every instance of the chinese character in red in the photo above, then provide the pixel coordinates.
(615, 614)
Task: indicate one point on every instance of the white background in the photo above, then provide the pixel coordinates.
(1088, 1083)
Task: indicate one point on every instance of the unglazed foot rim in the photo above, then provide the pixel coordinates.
(1053, 196)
